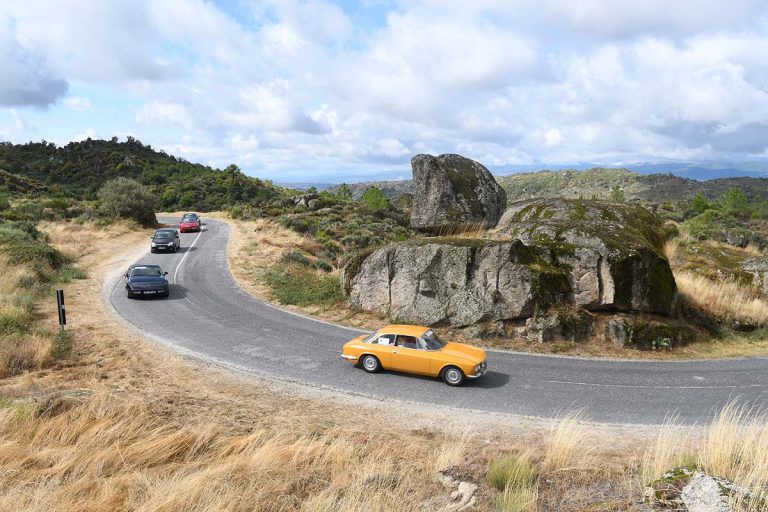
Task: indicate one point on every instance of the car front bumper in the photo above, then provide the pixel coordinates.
(479, 372)
(348, 357)
(150, 291)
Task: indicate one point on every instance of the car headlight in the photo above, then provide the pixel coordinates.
(154, 244)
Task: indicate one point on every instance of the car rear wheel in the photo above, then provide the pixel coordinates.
(370, 364)
(453, 376)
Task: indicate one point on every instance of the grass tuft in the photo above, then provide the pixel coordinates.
(566, 446)
(511, 471)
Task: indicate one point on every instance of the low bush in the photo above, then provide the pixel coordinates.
(295, 257)
(68, 273)
(61, 344)
(303, 287)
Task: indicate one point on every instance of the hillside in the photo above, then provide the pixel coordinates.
(79, 169)
(605, 183)
(391, 189)
(598, 183)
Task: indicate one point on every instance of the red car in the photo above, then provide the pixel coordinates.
(190, 222)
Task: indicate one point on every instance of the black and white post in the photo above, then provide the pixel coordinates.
(62, 310)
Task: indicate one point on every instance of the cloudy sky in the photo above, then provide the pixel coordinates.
(319, 90)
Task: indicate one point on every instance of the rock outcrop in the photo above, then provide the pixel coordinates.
(610, 252)
(590, 254)
(758, 269)
(451, 192)
(454, 281)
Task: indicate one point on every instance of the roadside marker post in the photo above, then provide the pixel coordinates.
(62, 310)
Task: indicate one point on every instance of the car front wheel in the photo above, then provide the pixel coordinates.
(370, 364)
(453, 376)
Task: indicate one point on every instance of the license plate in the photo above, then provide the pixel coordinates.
(151, 291)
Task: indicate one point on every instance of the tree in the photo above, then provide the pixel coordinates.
(375, 199)
(344, 192)
(700, 203)
(128, 199)
(734, 202)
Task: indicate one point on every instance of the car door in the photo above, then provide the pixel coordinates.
(408, 357)
(382, 348)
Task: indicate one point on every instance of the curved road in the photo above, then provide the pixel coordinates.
(209, 316)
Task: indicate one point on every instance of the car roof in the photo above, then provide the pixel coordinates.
(190, 214)
(405, 330)
(166, 230)
(144, 266)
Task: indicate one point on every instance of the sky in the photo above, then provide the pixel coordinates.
(318, 90)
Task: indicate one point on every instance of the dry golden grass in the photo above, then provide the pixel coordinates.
(724, 300)
(567, 445)
(734, 446)
(665, 452)
(108, 454)
(79, 240)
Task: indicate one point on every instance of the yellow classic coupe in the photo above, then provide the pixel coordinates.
(414, 349)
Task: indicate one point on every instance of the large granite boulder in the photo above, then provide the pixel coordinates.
(451, 192)
(455, 281)
(589, 254)
(610, 252)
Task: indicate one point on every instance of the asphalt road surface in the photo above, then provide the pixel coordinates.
(209, 316)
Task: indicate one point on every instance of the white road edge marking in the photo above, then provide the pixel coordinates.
(175, 273)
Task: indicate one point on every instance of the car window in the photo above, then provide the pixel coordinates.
(386, 339)
(406, 341)
(431, 341)
(146, 271)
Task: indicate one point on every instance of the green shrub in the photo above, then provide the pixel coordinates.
(68, 273)
(295, 257)
(128, 199)
(302, 287)
(62, 344)
(324, 266)
(4, 203)
(703, 225)
(35, 252)
(511, 471)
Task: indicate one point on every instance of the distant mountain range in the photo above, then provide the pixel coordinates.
(694, 170)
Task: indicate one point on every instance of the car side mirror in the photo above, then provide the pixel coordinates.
(165, 273)
(125, 275)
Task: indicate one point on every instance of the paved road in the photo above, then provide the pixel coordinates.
(209, 316)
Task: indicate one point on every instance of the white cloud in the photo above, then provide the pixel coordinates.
(158, 112)
(77, 103)
(297, 85)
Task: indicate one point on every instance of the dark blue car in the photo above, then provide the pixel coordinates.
(147, 281)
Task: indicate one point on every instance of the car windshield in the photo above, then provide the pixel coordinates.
(371, 337)
(189, 218)
(146, 271)
(164, 235)
(432, 341)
